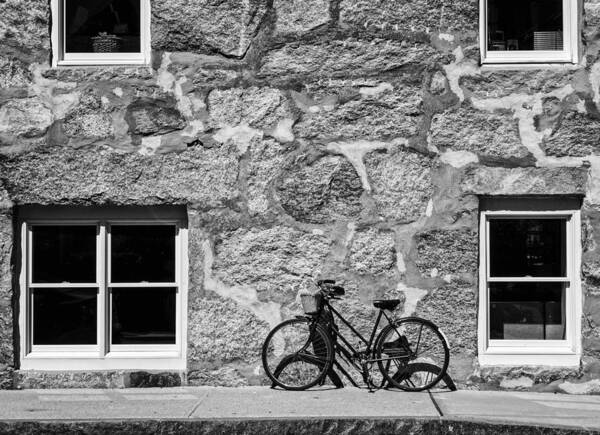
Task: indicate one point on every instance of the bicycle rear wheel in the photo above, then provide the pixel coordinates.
(412, 354)
(297, 354)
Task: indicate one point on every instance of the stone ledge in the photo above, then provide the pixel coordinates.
(38, 379)
(295, 426)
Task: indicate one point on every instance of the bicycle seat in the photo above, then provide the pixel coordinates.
(386, 304)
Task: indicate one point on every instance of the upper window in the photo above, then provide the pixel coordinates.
(102, 289)
(100, 31)
(530, 288)
(528, 31)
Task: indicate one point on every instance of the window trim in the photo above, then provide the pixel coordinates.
(570, 55)
(103, 355)
(60, 58)
(562, 353)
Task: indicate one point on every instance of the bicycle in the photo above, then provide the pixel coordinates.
(411, 353)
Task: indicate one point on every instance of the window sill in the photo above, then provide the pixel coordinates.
(551, 357)
(566, 66)
(107, 63)
(73, 362)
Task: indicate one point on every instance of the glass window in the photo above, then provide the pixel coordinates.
(63, 254)
(103, 286)
(142, 253)
(145, 255)
(529, 31)
(527, 311)
(523, 251)
(102, 26)
(525, 25)
(64, 316)
(528, 247)
(144, 316)
(100, 32)
(530, 291)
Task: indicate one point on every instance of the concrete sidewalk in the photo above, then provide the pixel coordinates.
(260, 410)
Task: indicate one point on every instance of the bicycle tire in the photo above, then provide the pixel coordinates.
(425, 367)
(406, 349)
(297, 354)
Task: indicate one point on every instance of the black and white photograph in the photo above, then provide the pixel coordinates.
(300, 217)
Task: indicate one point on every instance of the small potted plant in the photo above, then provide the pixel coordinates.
(105, 43)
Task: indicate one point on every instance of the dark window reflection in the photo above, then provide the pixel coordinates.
(528, 247)
(64, 254)
(143, 316)
(525, 25)
(143, 253)
(527, 311)
(102, 26)
(64, 316)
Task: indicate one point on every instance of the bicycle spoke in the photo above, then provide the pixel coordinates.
(419, 340)
(297, 354)
(308, 357)
(417, 359)
(408, 381)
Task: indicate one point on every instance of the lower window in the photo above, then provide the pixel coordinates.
(103, 291)
(530, 302)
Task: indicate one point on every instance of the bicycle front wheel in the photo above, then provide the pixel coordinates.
(297, 354)
(412, 354)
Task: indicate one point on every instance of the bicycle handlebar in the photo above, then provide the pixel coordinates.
(328, 288)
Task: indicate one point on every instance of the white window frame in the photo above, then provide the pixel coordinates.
(563, 353)
(60, 58)
(570, 54)
(103, 355)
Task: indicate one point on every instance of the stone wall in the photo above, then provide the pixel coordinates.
(336, 138)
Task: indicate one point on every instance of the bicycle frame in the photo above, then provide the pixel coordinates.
(349, 353)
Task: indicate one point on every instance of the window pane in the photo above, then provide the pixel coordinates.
(102, 26)
(528, 247)
(143, 253)
(143, 316)
(64, 316)
(527, 311)
(525, 25)
(64, 254)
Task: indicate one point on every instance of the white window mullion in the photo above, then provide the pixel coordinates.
(142, 285)
(28, 293)
(63, 30)
(64, 285)
(178, 331)
(101, 271)
(526, 279)
(575, 288)
(29, 257)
